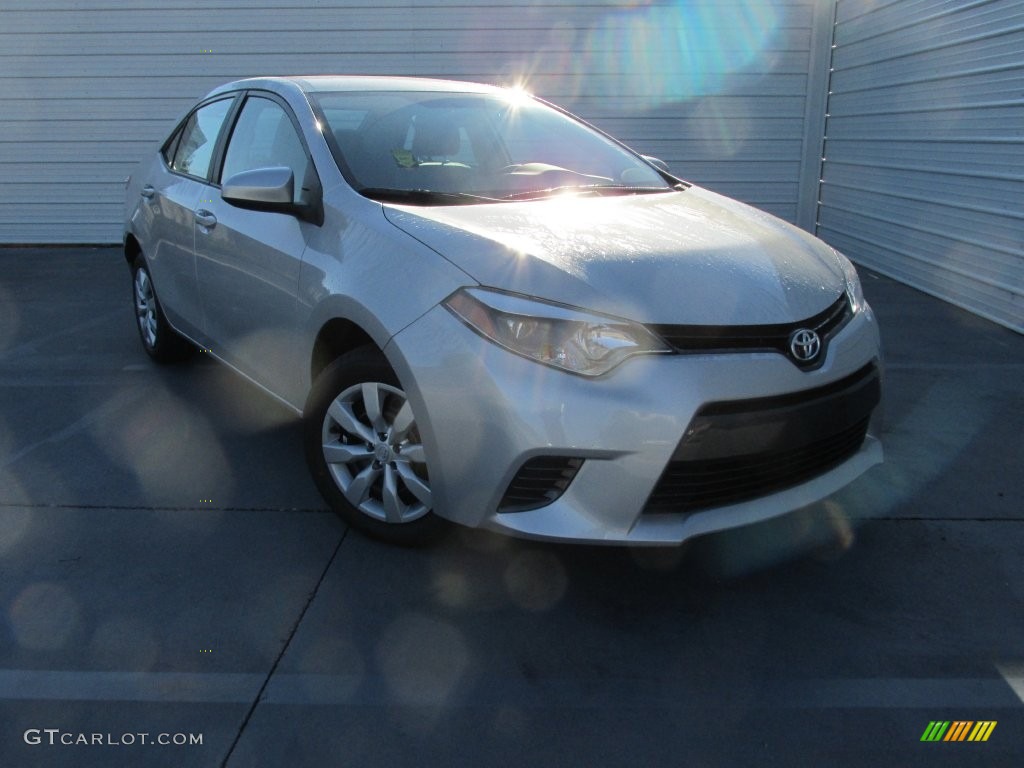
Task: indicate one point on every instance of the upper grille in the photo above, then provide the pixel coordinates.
(739, 450)
(752, 338)
(539, 482)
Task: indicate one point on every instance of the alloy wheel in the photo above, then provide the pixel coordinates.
(145, 307)
(373, 452)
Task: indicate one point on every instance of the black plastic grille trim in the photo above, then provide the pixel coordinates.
(736, 451)
(753, 338)
(539, 481)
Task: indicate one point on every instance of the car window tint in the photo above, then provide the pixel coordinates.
(436, 138)
(170, 146)
(264, 137)
(483, 144)
(342, 119)
(198, 139)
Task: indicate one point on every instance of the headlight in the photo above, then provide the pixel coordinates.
(853, 287)
(563, 337)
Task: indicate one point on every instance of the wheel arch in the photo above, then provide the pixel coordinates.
(132, 248)
(340, 323)
(337, 336)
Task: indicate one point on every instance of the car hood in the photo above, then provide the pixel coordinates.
(689, 257)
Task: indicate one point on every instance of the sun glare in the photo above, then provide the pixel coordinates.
(517, 95)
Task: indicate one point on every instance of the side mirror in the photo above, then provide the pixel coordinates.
(261, 189)
(272, 189)
(662, 167)
(658, 163)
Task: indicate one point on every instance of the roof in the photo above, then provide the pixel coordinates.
(323, 83)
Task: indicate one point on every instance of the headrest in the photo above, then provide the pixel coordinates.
(434, 137)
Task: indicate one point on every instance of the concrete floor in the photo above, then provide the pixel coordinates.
(167, 567)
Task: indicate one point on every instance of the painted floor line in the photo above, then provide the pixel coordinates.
(33, 345)
(83, 507)
(564, 693)
(193, 687)
(966, 367)
(359, 690)
(119, 401)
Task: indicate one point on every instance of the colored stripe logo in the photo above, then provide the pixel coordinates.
(958, 730)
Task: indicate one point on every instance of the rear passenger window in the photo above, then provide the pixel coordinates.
(198, 139)
(170, 146)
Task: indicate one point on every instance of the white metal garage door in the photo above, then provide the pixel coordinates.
(923, 177)
(717, 89)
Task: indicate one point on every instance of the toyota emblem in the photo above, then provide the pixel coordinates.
(804, 345)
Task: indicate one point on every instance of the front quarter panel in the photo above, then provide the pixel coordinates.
(363, 269)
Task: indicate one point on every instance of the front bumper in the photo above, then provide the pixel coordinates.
(483, 412)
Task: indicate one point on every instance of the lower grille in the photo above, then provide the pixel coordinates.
(736, 451)
(539, 482)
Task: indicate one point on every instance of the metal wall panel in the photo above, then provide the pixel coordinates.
(923, 176)
(718, 89)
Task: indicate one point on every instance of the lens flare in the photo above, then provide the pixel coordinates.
(517, 95)
(644, 55)
(676, 52)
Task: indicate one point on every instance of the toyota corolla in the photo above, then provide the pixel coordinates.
(491, 313)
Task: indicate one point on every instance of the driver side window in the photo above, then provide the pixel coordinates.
(264, 137)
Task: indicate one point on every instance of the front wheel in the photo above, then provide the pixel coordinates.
(364, 450)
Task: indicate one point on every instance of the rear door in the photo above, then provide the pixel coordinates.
(248, 261)
(170, 193)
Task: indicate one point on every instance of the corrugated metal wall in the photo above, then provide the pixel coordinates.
(717, 89)
(923, 177)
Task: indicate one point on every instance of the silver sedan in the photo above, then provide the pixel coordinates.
(491, 313)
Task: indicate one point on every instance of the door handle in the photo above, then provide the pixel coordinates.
(205, 218)
(148, 191)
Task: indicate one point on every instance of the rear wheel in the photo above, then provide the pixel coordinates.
(159, 339)
(364, 450)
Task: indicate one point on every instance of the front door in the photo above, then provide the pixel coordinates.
(247, 262)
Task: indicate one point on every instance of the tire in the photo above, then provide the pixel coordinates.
(363, 449)
(159, 339)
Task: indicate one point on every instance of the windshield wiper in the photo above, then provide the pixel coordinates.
(594, 189)
(423, 196)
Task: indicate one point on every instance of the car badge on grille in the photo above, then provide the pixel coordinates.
(804, 345)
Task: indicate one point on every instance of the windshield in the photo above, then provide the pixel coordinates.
(442, 148)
